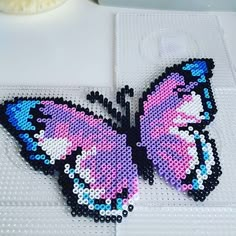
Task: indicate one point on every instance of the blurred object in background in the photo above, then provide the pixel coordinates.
(184, 5)
(28, 6)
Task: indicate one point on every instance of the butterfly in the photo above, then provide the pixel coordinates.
(98, 161)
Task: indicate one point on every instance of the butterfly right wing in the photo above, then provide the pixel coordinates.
(175, 113)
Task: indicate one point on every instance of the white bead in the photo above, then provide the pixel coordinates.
(190, 128)
(108, 201)
(67, 166)
(108, 212)
(85, 201)
(80, 201)
(102, 212)
(89, 153)
(75, 191)
(198, 171)
(71, 176)
(187, 171)
(114, 212)
(200, 181)
(86, 190)
(198, 176)
(205, 177)
(201, 187)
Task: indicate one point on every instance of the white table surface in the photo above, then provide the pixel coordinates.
(72, 45)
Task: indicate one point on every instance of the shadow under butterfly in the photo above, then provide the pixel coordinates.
(98, 160)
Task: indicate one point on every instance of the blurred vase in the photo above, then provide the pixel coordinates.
(28, 6)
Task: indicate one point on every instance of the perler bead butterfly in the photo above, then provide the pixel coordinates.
(98, 161)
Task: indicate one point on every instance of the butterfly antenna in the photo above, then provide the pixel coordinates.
(96, 96)
(121, 99)
(124, 119)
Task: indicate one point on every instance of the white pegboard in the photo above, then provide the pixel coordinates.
(47, 220)
(147, 43)
(179, 221)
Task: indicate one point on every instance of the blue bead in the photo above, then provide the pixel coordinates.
(47, 162)
(119, 200)
(81, 185)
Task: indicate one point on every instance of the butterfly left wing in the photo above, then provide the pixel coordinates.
(175, 113)
(94, 162)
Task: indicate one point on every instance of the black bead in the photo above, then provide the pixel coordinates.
(96, 95)
(202, 198)
(105, 102)
(125, 213)
(113, 112)
(123, 101)
(92, 94)
(119, 219)
(96, 213)
(108, 219)
(73, 213)
(118, 97)
(190, 193)
(131, 92)
(79, 213)
(100, 99)
(118, 115)
(196, 198)
(114, 126)
(113, 219)
(109, 122)
(85, 213)
(109, 106)
(91, 213)
(102, 218)
(130, 207)
(151, 181)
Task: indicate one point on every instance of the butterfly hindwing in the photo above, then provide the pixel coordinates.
(175, 113)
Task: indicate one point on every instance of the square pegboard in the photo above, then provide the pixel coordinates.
(147, 43)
